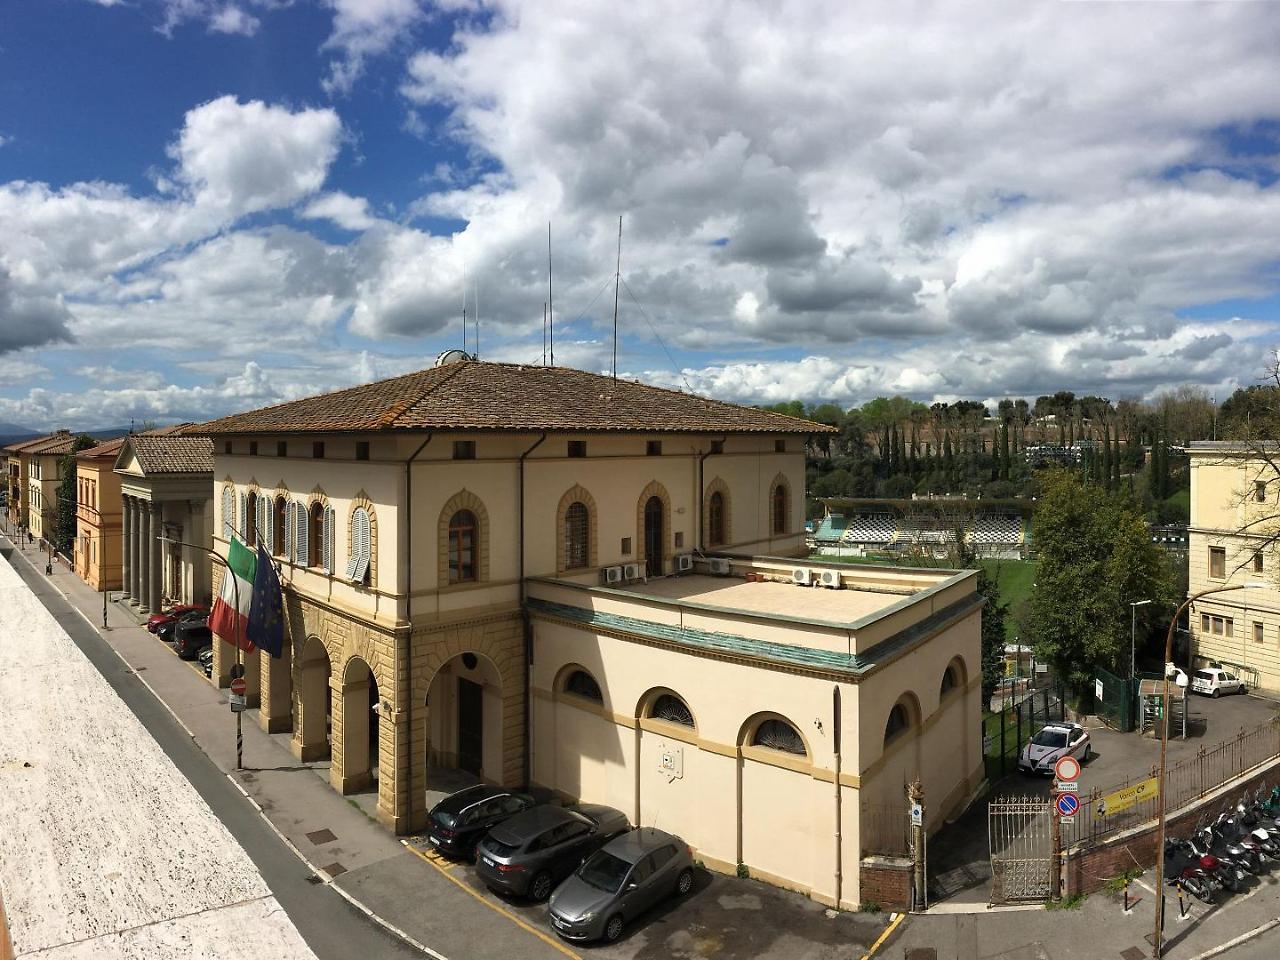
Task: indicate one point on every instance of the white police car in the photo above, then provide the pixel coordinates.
(1051, 744)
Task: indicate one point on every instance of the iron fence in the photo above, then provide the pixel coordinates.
(1116, 706)
(885, 829)
(1004, 733)
(1185, 782)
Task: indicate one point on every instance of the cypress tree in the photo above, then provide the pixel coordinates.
(1106, 453)
(948, 460)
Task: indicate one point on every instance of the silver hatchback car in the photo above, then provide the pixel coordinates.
(620, 881)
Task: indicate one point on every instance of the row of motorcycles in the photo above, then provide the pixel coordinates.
(1241, 843)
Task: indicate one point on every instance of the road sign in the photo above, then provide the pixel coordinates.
(1066, 786)
(1066, 821)
(237, 671)
(237, 703)
(238, 686)
(1067, 804)
(1097, 688)
(917, 815)
(1067, 768)
(1120, 800)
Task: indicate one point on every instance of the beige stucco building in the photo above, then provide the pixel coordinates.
(453, 542)
(98, 512)
(33, 478)
(1234, 518)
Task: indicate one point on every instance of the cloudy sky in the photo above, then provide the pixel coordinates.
(211, 205)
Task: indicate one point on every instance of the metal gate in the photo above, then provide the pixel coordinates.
(1020, 831)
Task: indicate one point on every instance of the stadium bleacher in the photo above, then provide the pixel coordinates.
(871, 528)
(996, 528)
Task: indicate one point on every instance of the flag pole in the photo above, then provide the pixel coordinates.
(238, 670)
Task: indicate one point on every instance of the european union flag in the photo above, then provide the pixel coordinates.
(266, 611)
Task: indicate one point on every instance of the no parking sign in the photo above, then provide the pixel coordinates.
(1067, 804)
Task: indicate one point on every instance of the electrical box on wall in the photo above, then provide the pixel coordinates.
(671, 760)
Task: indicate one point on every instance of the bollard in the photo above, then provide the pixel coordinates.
(1126, 896)
(1182, 907)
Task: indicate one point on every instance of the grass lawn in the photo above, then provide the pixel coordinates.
(1014, 577)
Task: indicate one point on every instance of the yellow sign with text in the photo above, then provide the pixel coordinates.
(1120, 800)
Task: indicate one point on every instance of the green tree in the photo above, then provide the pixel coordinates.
(993, 617)
(1095, 556)
(64, 525)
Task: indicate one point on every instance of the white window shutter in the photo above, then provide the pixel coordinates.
(269, 527)
(244, 512)
(227, 522)
(327, 532)
(301, 531)
(290, 538)
(262, 516)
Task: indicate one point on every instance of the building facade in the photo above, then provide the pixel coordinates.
(428, 527)
(99, 532)
(43, 463)
(1235, 517)
(166, 519)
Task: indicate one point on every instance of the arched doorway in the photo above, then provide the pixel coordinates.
(653, 537)
(464, 710)
(361, 711)
(312, 737)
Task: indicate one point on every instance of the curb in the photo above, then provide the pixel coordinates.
(1236, 941)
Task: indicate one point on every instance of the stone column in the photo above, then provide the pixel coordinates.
(135, 549)
(350, 771)
(144, 552)
(310, 731)
(275, 709)
(126, 565)
(155, 594)
(399, 774)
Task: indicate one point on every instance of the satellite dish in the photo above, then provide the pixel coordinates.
(452, 356)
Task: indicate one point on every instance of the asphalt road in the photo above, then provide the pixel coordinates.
(333, 928)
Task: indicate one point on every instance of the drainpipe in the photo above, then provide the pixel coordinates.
(835, 717)
(702, 491)
(528, 632)
(407, 651)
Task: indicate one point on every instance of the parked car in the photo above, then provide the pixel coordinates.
(205, 657)
(173, 613)
(190, 637)
(459, 821)
(619, 882)
(1215, 681)
(1051, 744)
(165, 631)
(533, 851)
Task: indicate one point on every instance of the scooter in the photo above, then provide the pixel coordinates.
(1180, 869)
(1259, 809)
(1225, 869)
(1216, 843)
(1271, 801)
(1230, 829)
(1268, 839)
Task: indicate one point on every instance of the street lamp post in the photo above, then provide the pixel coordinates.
(1133, 629)
(1164, 744)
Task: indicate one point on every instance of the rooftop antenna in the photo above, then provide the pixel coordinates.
(617, 278)
(475, 304)
(551, 304)
(544, 333)
(464, 311)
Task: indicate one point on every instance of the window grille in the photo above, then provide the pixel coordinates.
(779, 735)
(583, 684)
(577, 536)
(672, 709)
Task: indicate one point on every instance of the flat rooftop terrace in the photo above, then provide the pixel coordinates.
(768, 597)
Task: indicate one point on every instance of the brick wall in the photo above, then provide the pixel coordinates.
(1087, 870)
(886, 881)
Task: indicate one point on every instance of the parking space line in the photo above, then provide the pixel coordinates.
(884, 936)
(549, 940)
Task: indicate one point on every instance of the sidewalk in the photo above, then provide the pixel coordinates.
(333, 835)
(1097, 929)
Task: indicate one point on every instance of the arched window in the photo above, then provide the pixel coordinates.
(250, 526)
(463, 531)
(582, 684)
(671, 708)
(779, 735)
(898, 722)
(577, 536)
(780, 508)
(228, 513)
(949, 681)
(315, 535)
(358, 562)
(279, 527)
(715, 519)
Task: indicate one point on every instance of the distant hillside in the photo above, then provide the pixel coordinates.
(14, 433)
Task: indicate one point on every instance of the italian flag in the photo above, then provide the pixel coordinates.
(230, 615)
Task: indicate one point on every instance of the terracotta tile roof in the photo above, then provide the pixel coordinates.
(55, 445)
(108, 449)
(501, 396)
(34, 445)
(171, 453)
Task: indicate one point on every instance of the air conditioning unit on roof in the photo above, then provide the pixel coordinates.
(613, 574)
(719, 566)
(802, 576)
(684, 563)
(830, 578)
(632, 571)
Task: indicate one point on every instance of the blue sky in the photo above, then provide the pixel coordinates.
(211, 205)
